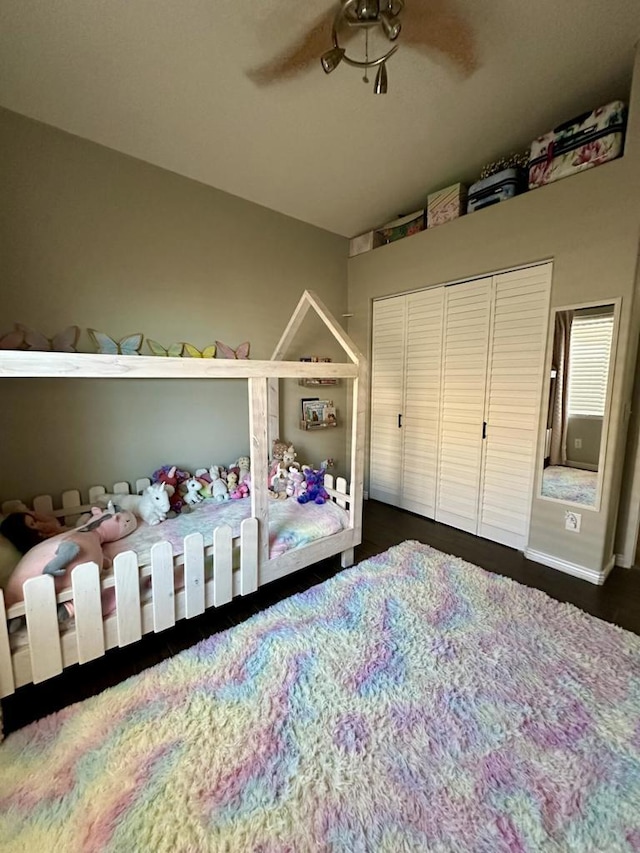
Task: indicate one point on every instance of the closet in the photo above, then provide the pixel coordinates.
(457, 376)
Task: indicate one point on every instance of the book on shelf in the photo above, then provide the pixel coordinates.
(318, 413)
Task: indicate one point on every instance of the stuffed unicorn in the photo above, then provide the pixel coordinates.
(151, 506)
(191, 489)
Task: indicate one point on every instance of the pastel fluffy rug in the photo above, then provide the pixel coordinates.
(412, 703)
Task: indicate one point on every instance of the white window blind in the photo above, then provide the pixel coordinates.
(589, 354)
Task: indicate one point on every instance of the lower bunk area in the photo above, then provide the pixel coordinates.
(162, 573)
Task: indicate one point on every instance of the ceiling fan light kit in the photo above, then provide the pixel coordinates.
(365, 15)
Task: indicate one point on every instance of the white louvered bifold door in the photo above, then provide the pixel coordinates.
(387, 388)
(421, 413)
(464, 369)
(515, 375)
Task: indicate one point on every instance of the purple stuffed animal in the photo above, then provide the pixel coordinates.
(316, 491)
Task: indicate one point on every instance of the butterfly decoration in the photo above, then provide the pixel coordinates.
(225, 351)
(130, 345)
(173, 351)
(64, 341)
(193, 352)
(12, 340)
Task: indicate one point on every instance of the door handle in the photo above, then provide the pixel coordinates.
(399, 421)
(484, 429)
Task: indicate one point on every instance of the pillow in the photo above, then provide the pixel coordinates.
(9, 559)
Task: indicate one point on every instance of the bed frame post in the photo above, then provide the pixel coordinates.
(258, 436)
(273, 404)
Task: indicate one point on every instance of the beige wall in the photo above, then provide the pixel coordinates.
(588, 225)
(589, 431)
(97, 239)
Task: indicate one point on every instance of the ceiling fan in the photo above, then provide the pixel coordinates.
(433, 27)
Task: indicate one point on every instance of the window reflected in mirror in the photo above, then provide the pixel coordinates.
(578, 393)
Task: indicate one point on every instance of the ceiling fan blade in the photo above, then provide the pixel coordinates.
(437, 26)
(300, 56)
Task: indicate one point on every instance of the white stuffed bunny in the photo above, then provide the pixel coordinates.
(151, 506)
(218, 487)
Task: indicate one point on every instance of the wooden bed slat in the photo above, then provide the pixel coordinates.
(164, 615)
(71, 500)
(341, 486)
(43, 503)
(121, 488)
(125, 571)
(42, 626)
(248, 556)
(95, 492)
(7, 683)
(258, 436)
(142, 484)
(85, 582)
(194, 574)
(222, 565)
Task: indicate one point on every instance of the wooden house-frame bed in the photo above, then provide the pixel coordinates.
(240, 564)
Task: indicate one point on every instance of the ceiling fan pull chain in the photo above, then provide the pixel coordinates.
(365, 79)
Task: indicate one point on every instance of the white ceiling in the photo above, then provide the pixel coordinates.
(165, 81)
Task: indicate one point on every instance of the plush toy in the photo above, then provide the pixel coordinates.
(296, 483)
(315, 490)
(172, 476)
(151, 506)
(232, 484)
(191, 491)
(289, 458)
(278, 448)
(219, 490)
(278, 482)
(277, 468)
(244, 472)
(204, 478)
(58, 555)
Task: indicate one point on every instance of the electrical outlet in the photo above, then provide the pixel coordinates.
(572, 521)
(577, 443)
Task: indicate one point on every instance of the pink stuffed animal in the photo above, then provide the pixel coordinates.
(59, 554)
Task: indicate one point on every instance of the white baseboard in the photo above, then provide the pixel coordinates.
(568, 568)
(623, 562)
(365, 495)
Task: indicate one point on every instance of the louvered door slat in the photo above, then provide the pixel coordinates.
(513, 403)
(466, 331)
(387, 376)
(422, 400)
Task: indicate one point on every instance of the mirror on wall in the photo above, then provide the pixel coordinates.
(578, 403)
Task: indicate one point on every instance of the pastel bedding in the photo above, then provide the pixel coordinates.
(291, 525)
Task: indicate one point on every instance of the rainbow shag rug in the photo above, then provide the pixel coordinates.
(412, 703)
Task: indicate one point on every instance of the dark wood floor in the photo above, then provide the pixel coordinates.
(617, 601)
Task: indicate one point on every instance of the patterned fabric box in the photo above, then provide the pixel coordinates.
(405, 226)
(447, 204)
(495, 188)
(585, 141)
